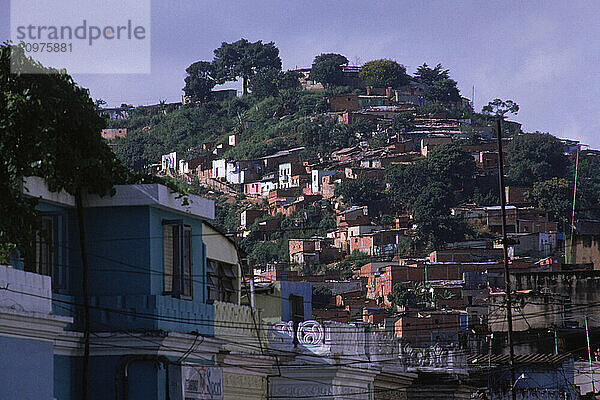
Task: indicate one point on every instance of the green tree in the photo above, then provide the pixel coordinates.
(363, 127)
(271, 81)
(289, 80)
(264, 83)
(452, 164)
(327, 69)
(50, 128)
(401, 296)
(262, 253)
(588, 187)
(358, 192)
(447, 164)
(427, 75)
(243, 59)
(227, 215)
(199, 81)
(499, 108)
(383, 73)
(324, 134)
(403, 122)
(555, 195)
(433, 108)
(405, 182)
(440, 88)
(444, 91)
(435, 224)
(535, 157)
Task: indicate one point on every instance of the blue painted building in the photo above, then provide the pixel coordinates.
(284, 301)
(28, 330)
(149, 310)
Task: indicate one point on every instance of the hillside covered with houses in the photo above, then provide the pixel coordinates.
(332, 224)
(312, 173)
(380, 188)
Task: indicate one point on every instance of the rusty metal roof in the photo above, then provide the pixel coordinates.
(520, 359)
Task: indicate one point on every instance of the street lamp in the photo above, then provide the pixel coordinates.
(521, 377)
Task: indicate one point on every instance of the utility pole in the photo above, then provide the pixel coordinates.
(86, 307)
(507, 289)
(587, 335)
(573, 210)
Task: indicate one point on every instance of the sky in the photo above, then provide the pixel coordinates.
(545, 55)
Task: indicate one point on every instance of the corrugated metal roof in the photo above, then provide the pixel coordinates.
(520, 359)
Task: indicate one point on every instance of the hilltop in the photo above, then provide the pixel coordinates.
(306, 145)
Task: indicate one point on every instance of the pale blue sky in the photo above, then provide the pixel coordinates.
(542, 54)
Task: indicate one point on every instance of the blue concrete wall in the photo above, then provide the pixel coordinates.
(303, 289)
(67, 377)
(124, 246)
(147, 378)
(26, 371)
(118, 248)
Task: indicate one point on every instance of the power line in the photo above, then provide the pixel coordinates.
(202, 322)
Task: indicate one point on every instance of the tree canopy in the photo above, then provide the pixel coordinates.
(535, 157)
(401, 296)
(405, 182)
(499, 108)
(440, 88)
(435, 224)
(199, 81)
(555, 195)
(444, 91)
(427, 75)
(243, 59)
(289, 80)
(359, 192)
(383, 73)
(327, 69)
(403, 122)
(62, 144)
(265, 83)
(452, 164)
(447, 164)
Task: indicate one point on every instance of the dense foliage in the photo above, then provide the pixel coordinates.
(359, 192)
(327, 69)
(383, 73)
(535, 157)
(62, 144)
(199, 81)
(440, 88)
(431, 187)
(244, 59)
